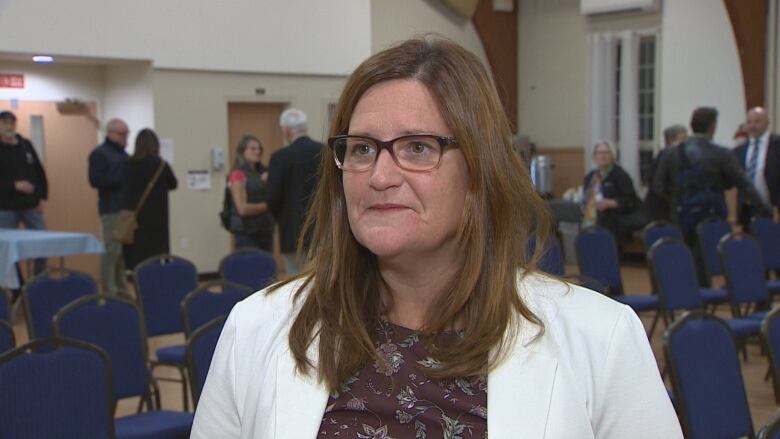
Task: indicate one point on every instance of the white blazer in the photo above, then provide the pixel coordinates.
(591, 374)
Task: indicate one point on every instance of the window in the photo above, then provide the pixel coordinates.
(646, 111)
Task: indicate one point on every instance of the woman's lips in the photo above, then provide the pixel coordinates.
(387, 207)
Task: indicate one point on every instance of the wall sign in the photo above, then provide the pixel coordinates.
(11, 80)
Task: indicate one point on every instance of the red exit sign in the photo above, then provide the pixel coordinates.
(11, 80)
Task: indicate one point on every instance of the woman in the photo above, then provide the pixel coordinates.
(610, 199)
(151, 237)
(418, 313)
(250, 221)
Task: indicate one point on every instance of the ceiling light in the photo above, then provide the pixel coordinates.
(43, 59)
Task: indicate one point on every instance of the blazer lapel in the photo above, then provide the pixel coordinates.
(519, 394)
(300, 400)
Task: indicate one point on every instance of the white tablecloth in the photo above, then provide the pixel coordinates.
(19, 244)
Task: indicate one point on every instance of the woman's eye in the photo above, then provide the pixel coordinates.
(418, 148)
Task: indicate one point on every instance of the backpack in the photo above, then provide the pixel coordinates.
(696, 201)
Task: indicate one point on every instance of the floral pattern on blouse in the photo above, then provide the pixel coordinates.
(396, 401)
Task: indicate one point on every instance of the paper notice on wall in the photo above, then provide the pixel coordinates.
(199, 180)
(166, 150)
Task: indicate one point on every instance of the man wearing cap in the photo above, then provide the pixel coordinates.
(106, 163)
(292, 174)
(23, 185)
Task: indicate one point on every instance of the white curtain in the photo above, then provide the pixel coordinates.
(601, 97)
(629, 104)
(600, 113)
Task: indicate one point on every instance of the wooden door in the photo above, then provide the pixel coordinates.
(262, 121)
(68, 135)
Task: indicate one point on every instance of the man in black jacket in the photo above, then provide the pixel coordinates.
(292, 175)
(23, 185)
(760, 158)
(106, 163)
(715, 169)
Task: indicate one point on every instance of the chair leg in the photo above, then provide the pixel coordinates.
(184, 388)
(653, 325)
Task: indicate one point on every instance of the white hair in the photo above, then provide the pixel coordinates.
(609, 146)
(293, 119)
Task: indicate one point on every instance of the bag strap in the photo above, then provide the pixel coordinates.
(149, 186)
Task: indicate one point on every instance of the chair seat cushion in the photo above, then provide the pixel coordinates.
(714, 295)
(161, 424)
(171, 354)
(639, 303)
(744, 327)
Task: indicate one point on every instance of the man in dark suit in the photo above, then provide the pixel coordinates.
(656, 205)
(292, 175)
(760, 158)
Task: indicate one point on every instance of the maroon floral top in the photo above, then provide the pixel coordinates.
(401, 402)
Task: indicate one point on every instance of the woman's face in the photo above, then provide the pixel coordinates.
(602, 156)
(253, 152)
(394, 212)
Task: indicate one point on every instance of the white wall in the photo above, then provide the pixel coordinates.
(551, 84)
(395, 20)
(191, 109)
(129, 96)
(55, 82)
(700, 65)
(289, 36)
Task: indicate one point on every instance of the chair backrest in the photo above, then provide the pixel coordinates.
(161, 282)
(115, 325)
(251, 267)
(706, 376)
(63, 391)
(5, 311)
(597, 257)
(767, 232)
(48, 292)
(772, 428)
(200, 350)
(710, 232)
(7, 337)
(659, 229)
(770, 332)
(743, 267)
(674, 274)
(551, 260)
(209, 301)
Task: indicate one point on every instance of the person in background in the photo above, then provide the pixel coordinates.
(152, 236)
(759, 156)
(693, 177)
(250, 220)
(656, 205)
(106, 164)
(418, 312)
(23, 184)
(609, 195)
(292, 174)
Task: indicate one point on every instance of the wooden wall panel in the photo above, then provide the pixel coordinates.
(498, 32)
(749, 22)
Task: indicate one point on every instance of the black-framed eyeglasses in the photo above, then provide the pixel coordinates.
(413, 152)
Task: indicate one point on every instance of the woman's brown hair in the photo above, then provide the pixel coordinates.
(146, 144)
(341, 292)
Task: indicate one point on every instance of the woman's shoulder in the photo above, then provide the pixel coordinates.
(269, 306)
(568, 308)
